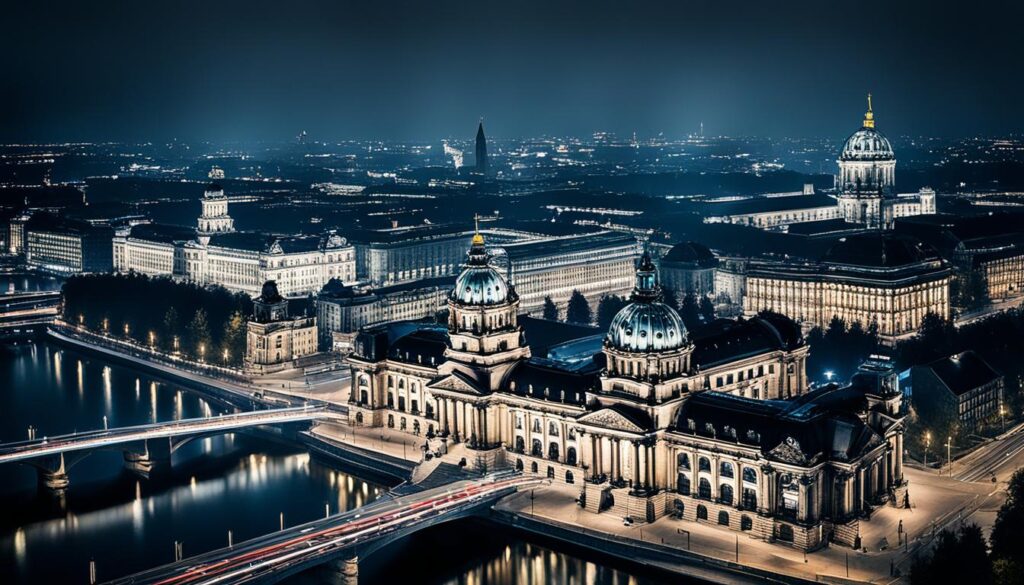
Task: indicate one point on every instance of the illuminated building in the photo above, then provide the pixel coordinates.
(274, 340)
(882, 279)
(715, 426)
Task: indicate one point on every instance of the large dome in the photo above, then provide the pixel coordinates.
(479, 283)
(647, 324)
(867, 144)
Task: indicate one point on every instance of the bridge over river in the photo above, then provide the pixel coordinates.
(143, 444)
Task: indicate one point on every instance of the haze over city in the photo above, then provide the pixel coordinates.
(243, 71)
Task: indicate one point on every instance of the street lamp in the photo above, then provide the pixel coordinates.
(949, 454)
(152, 339)
(927, 443)
(202, 351)
(829, 374)
(226, 357)
(126, 330)
(177, 343)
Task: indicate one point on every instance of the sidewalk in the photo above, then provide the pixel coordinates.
(935, 501)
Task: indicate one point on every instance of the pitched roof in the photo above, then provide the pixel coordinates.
(963, 372)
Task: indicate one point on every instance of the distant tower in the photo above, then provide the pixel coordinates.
(215, 218)
(867, 174)
(481, 149)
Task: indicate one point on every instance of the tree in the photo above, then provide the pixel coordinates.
(607, 308)
(1007, 537)
(958, 557)
(550, 310)
(170, 328)
(707, 309)
(578, 310)
(690, 311)
(233, 340)
(199, 334)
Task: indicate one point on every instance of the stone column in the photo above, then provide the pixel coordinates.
(638, 479)
(898, 472)
(652, 469)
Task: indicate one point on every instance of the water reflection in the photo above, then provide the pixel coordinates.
(126, 522)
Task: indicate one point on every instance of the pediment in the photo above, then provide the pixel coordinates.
(789, 451)
(456, 382)
(609, 419)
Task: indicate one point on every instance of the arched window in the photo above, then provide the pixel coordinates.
(533, 467)
(725, 469)
(746, 523)
(749, 499)
(364, 397)
(683, 485)
(359, 418)
(536, 448)
(683, 461)
(725, 494)
(553, 451)
(702, 512)
(569, 478)
(570, 456)
(704, 488)
(536, 425)
(401, 384)
(391, 421)
(703, 464)
(391, 400)
(402, 424)
(519, 464)
(749, 475)
(520, 445)
(723, 518)
(551, 472)
(552, 429)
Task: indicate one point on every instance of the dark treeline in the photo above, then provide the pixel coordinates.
(840, 348)
(202, 323)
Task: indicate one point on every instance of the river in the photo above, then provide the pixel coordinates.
(238, 483)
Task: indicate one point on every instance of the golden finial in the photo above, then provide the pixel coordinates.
(478, 239)
(869, 117)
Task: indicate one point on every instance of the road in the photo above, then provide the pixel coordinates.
(1000, 457)
(23, 450)
(308, 544)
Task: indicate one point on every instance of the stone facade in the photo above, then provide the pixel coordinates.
(274, 340)
(645, 428)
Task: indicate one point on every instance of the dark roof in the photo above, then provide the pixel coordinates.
(558, 246)
(725, 340)
(822, 424)
(823, 227)
(542, 334)
(879, 250)
(420, 347)
(768, 204)
(545, 380)
(162, 233)
(252, 241)
(963, 372)
(634, 415)
(691, 253)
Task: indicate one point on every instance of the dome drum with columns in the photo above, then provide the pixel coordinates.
(867, 163)
(647, 345)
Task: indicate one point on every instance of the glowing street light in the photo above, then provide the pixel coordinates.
(829, 374)
(152, 339)
(202, 351)
(126, 330)
(226, 356)
(927, 443)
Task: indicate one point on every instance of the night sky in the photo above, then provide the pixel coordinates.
(425, 70)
